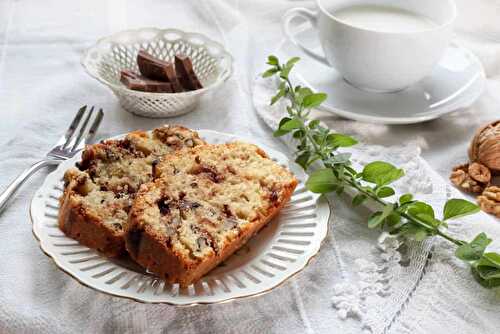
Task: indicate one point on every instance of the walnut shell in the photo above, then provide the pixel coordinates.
(485, 146)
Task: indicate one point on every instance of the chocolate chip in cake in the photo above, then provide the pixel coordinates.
(154, 170)
(227, 211)
(207, 238)
(134, 240)
(164, 205)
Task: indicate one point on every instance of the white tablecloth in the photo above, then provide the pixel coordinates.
(41, 86)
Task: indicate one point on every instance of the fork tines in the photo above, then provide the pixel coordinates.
(80, 132)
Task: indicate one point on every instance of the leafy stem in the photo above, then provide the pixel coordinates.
(405, 217)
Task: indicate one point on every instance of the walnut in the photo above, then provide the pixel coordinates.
(485, 146)
(480, 172)
(472, 178)
(489, 201)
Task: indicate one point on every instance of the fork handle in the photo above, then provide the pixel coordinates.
(9, 192)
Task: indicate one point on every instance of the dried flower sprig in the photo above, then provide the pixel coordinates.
(406, 217)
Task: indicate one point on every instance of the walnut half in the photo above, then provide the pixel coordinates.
(471, 178)
(489, 201)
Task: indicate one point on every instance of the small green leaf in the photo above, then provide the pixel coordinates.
(302, 92)
(313, 124)
(375, 219)
(457, 207)
(420, 208)
(405, 198)
(279, 133)
(299, 134)
(272, 60)
(303, 159)
(413, 231)
(487, 270)
(393, 219)
(270, 72)
(487, 283)
(283, 121)
(292, 61)
(288, 67)
(428, 219)
(322, 181)
(358, 199)
(381, 173)
(473, 250)
(340, 140)
(313, 100)
(278, 96)
(339, 158)
(420, 234)
(385, 192)
(291, 125)
(492, 259)
(378, 217)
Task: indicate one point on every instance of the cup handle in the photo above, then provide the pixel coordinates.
(309, 16)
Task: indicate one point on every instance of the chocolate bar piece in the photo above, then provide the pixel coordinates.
(185, 72)
(157, 69)
(138, 82)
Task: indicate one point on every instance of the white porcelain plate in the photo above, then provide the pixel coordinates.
(456, 82)
(283, 248)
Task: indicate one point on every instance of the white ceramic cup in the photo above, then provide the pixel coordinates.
(375, 60)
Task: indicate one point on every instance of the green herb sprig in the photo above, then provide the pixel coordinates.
(406, 217)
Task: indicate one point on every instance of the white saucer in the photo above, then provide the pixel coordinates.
(456, 82)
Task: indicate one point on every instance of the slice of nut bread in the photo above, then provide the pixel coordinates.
(99, 192)
(204, 204)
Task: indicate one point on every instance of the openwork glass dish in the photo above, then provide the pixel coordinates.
(280, 250)
(104, 61)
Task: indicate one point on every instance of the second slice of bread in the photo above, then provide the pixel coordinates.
(204, 204)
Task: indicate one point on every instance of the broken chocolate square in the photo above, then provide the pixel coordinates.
(185, 72)
(157, 69)
(138, 82)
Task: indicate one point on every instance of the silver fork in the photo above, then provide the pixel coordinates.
(80, 132)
